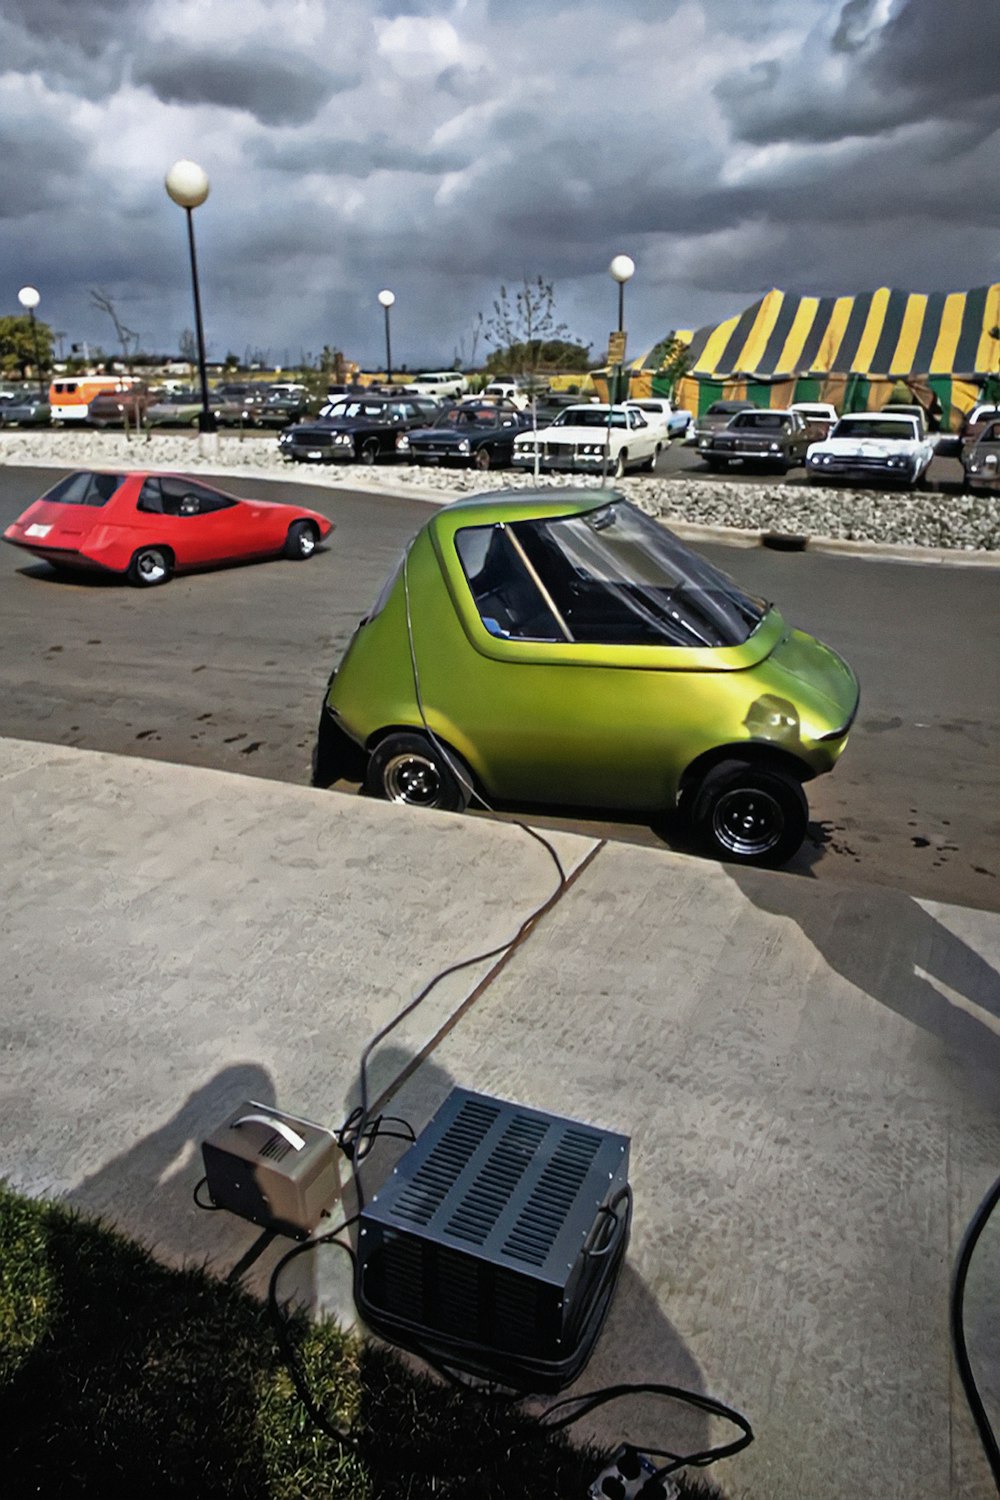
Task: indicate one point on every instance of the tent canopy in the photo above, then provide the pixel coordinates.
(885, 333)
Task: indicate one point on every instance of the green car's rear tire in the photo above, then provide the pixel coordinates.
(750, 815)
(409, 768)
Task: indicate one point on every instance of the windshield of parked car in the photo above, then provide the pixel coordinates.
(612, 576)
(589, 416)
(368, 411)
(766, 421)
(84, 488)
(480, 416)
(871, 427)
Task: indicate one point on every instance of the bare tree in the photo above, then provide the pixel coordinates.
(127, 337)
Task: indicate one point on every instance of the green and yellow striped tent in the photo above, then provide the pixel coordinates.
(854, 351)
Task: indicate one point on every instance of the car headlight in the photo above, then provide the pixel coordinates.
(775, 447)
(402, 442)
(343, 438)
(704, 442)
(465, 446)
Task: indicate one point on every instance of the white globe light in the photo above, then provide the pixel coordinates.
(622, 268)
(187, 184)
(387, 298)
(28, 297)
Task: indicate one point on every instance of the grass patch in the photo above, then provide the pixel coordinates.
(121, 1376)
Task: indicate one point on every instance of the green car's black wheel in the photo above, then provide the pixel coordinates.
(410, 768)
(150, 566)
(300, 541)
(750, 815)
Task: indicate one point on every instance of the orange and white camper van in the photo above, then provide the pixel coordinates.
(71, 395)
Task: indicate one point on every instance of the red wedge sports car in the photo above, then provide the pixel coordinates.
(147, 526)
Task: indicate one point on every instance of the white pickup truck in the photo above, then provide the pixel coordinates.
(872, 447)
(591, 438)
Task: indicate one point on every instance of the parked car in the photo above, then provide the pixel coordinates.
(572, 651)
(506, 390)
(25, 410)
(762, 438)
(718, 415)
(907, 409)
(657, 411)
(976, 423)
(280, 408)
(870, 446)
(121, 408)
(363, 428)
(183, 409)
(681, 425)
(592, 438)
(819, 417)
(147, 526)
(479, 435)
(981, 458)
(439, 383)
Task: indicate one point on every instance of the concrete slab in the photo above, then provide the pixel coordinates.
(178, 940)
(808, 1074)
(814, 1117)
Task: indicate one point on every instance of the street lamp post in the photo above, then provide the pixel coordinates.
(188, 187)
(622, 269)
(387, 298)
(29, 299)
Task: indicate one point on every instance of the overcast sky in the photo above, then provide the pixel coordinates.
(441, 148)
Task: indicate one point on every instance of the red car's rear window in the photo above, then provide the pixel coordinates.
(85, 488)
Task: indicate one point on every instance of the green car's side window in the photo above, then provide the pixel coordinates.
(509, 602)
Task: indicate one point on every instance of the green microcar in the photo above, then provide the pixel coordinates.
(563, 648)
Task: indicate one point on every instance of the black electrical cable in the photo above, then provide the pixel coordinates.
(957, 1310)
(209, 1208)
(280, 1325)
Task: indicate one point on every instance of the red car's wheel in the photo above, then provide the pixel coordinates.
(150, 566)
(301, 540)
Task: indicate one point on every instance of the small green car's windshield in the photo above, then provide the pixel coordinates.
(85, 488)
(612, 576)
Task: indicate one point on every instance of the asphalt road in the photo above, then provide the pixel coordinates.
(227, 670)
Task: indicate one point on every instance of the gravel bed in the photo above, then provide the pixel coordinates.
(961, 522)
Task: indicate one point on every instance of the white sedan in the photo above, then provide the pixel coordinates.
(872, 446)
(592, 438)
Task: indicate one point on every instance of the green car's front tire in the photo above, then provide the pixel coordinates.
(409, 768)
(750, 815)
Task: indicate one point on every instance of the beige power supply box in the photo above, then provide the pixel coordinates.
(273, 1168)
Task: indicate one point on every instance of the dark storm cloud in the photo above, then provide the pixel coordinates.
(25, 189)
(87, 27)
(911, 69)
(338, 157)
(852, 27)
(277, 90)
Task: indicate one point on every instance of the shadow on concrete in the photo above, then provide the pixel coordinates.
(146, 1189)
(887, 945)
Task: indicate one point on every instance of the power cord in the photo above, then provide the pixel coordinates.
(957, 1311)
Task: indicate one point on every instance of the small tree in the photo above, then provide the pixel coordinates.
(18, 345)
(127, 337)
(524, 333)
(671, 360)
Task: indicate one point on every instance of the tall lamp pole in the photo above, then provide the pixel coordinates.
(387, 298)
(622, 269)
(188, 187)
(29, 299)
